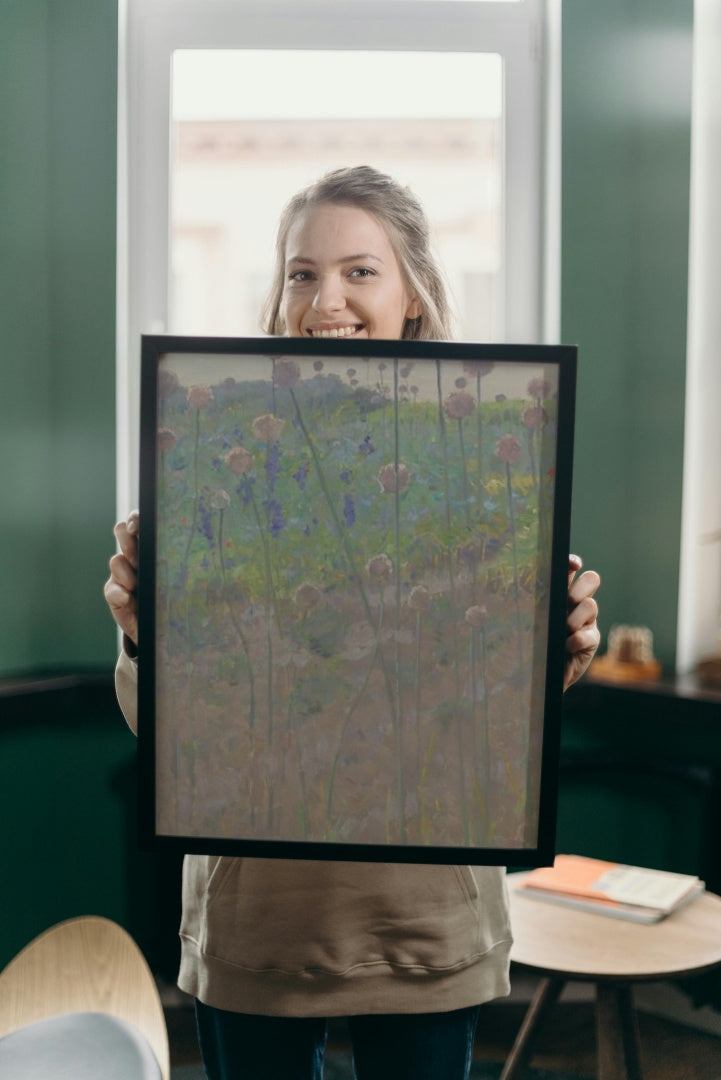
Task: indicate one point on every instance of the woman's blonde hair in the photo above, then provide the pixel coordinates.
(403, 217)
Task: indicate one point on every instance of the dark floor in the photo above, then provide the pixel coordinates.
(669, 1051)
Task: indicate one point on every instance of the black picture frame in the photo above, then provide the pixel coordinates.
(353, 572)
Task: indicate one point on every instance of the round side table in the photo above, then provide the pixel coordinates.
(563, 944)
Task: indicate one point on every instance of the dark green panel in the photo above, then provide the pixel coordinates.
(57, 326)
(83, 128)
(26, 476)
(626, 147)
(68, 800)
(67, 784)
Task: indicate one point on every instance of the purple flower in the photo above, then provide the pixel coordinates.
(276, 521)
(245, 489)
(205, 525)
(345, 476)
(301, 475)
(348, 509)
(272, 465)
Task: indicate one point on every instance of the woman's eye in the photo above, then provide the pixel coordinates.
(362, 272)
(300, 276)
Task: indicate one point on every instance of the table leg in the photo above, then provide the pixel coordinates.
(545, 997)
(617, 1033)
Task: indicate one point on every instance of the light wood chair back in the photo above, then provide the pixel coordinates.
(87, 964)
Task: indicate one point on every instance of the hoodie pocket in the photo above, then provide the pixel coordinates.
(295, 916)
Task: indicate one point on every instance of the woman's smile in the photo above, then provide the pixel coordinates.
(335, 331)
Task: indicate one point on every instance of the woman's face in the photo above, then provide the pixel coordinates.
(342, 277)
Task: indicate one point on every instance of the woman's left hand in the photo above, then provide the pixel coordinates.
(583, 635)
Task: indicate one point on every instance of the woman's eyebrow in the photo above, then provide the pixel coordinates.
(361, 257)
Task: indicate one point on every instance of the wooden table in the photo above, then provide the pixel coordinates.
(562, 944)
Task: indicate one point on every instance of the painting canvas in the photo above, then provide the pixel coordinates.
(353, 568)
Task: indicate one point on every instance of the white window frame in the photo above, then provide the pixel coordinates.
(526, 34)
(699, 597)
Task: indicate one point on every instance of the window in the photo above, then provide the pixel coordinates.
(227, 107)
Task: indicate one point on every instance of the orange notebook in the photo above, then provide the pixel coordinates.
(631, 892)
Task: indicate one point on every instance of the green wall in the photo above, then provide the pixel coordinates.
(625, 200)
(58, 72)
(626, 137)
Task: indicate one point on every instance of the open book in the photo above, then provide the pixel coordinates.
(608, 888)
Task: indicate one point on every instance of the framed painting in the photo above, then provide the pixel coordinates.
(352, 597)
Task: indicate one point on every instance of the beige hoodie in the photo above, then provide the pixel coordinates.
(286, 937)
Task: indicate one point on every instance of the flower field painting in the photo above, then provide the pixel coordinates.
(352, 595)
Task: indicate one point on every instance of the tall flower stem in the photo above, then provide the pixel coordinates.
(477, 663)
(419, 628)
(196, 497)
(248, 659)
(398, 710)
(514, 551)
(191, 534)
(269, 607)
(464, 472)
(452, 586)
(479, 431)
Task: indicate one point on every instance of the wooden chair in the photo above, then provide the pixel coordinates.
(89, 971)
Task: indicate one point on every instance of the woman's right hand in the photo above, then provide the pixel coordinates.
(121, 587)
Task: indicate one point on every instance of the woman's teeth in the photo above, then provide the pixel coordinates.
(336, 332)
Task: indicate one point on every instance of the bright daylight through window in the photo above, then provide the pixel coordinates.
(237, 157)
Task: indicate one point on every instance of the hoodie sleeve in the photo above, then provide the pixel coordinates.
(126, 687)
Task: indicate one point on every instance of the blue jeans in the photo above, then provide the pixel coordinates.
(416, 1046)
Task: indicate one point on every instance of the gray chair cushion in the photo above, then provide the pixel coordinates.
(78, 1046)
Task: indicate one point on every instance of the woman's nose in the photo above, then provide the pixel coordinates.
(329, 296)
